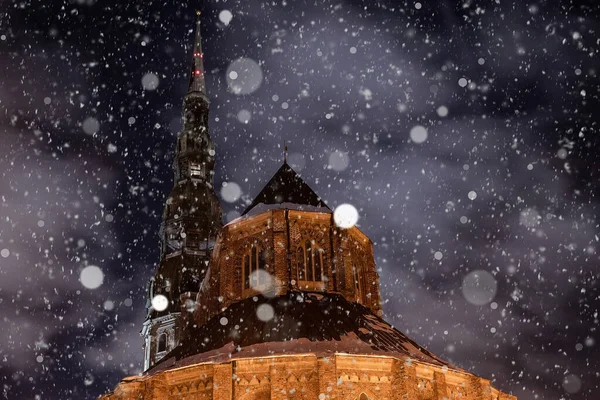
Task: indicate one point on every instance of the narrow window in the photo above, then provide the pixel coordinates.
(162, 342)
(318, 257)
(309, 261)
(262, 264)
(253, 266)
(246, 271)
(301, 263)
(254, 260)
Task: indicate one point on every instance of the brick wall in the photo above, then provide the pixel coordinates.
(308, 377)
(281, 232)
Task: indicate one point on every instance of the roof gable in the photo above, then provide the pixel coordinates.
(286, 186)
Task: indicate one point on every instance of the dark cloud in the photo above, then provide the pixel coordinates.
(350, 76)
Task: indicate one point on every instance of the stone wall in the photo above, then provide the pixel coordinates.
(308, 377)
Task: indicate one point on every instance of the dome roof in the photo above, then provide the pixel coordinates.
(287, 187)
(294, 323)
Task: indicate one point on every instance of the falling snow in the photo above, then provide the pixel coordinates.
(464, 136)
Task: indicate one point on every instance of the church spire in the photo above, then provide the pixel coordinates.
(192, 220)
(197, 82)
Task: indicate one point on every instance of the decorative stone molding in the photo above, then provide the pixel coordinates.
(308, 377)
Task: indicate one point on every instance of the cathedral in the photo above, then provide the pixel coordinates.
(280, 303)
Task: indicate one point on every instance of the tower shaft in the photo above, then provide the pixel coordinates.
(191, 220)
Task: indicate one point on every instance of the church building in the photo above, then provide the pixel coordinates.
(280, 303)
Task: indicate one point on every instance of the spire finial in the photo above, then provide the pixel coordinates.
(285, 150)
(197, 82)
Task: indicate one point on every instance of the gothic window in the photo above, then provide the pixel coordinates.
(318, 264)
(262, 260)
(309, 261)
(301, 264)
(162, 343)
(363, 397)
(196, 170)
(253, 266)
(254, 260)
(247, 271)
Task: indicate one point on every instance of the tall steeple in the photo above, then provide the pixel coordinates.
(191, 220)
(197, 82)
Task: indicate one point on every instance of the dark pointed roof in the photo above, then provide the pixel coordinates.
(293, 323)
(197, 82)
(286, 186)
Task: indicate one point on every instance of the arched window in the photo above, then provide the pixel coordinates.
(301, 264)
(318, 264)
(254, 260)
(363, 396)
(309, 261)
(162, 343)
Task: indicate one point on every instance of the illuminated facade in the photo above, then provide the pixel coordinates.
(278, 304)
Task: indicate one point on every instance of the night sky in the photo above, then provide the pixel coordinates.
(465, 133)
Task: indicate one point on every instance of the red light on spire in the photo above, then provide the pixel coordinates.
(198, 72)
